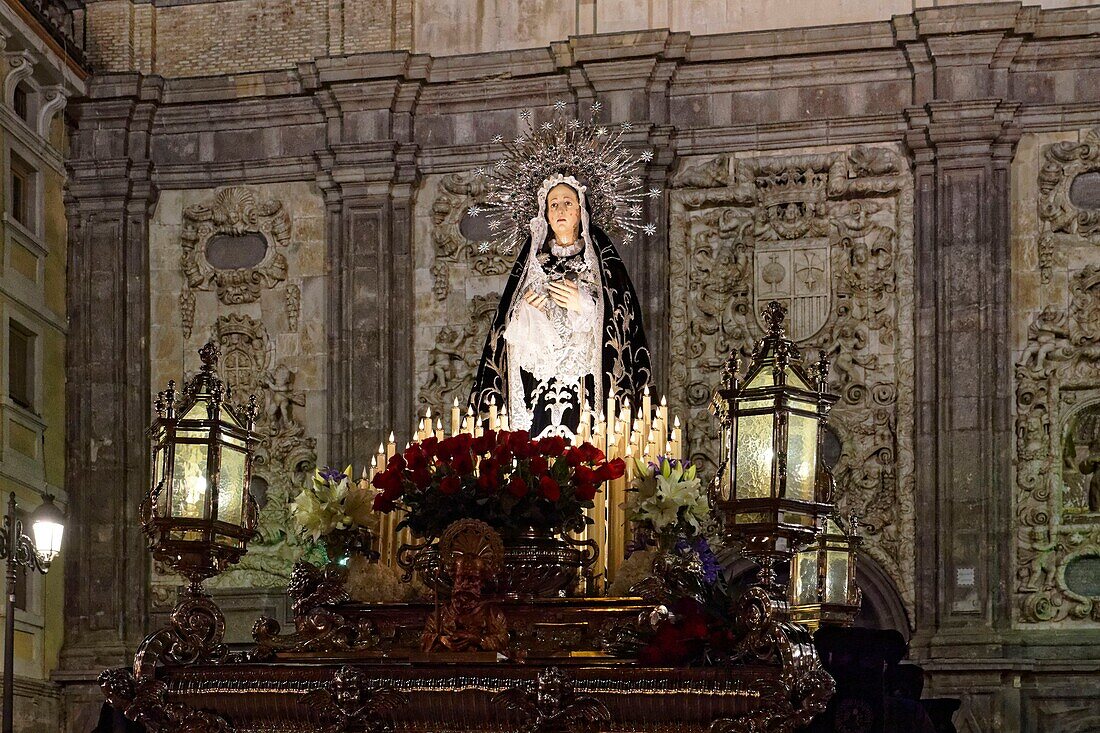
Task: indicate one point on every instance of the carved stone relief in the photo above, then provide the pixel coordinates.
(465, 286)
(1058, 453)
(268, 323)
(1064, 217)
(235, 211)
(829, 234)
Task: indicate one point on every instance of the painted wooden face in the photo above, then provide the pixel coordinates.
(563, 210)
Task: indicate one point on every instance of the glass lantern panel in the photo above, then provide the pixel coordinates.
(753, 474)
(794, 380)
(803, 405)
(763, 378)
(198, 411)
(756, 404)
(801, 457)
(232, 440)
(231, 486)
(836, 577)
(189, 481)
(805, 576)
(831, 526)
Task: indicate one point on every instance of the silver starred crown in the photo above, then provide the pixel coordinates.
(591, 153)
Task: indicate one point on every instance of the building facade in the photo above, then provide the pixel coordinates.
(292, 180)
(42, 69)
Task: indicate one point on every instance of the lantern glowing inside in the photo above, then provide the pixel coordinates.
(48, 528)
(823, 577)
(775, 493)
(199, 516)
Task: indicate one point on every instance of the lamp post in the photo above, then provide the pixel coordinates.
(199, 515)
(48, 527)
(823, 577)
(776, 492)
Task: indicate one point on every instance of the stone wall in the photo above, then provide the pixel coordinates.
(935, 212)
(199, 37)
(267, 316)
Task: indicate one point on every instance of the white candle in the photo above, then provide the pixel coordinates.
(456, 418)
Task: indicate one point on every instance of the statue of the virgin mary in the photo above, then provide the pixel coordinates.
(568, 330)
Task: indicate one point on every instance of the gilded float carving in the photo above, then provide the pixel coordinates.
(829, 235)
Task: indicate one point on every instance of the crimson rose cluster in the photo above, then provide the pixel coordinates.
(503, 478)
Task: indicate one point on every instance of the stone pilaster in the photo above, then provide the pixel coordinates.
(109, 204)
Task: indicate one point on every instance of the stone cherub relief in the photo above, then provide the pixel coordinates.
(829, 235)
(446, 370)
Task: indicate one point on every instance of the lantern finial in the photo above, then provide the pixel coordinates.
(209, 355)
(773, 314)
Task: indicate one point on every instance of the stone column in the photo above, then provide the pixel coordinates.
(109, 203)
(962, 152)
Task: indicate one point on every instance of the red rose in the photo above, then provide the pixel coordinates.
(461, 443)
(589, 453)
(517, 439)
(612, 470)
(552, 446)
(549, 488)
(587, 491)
(586, 475)
(386, 480)
(430, 446)
(517, 487)
(421, 478)
(539, 466)
(485, 443)
(383, 504)
(489, 475)
(463, 463)
(450, 484)
(415, 456)
(397, 462)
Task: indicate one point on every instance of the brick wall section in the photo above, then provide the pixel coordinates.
(238, 36)
(110, 41)
(377, 25)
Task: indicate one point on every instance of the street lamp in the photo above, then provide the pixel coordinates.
(776, 493)
(48, 527)
(823, 577)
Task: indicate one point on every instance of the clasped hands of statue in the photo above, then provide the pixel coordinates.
(565, 293)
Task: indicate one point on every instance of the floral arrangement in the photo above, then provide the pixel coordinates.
(502, 478)
(334, 513)
(668, 498)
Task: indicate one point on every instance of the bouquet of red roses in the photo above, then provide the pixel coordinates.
(505, 479)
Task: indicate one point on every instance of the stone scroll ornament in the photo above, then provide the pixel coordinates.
(1069, 210)
(828, 235)
(234, 211)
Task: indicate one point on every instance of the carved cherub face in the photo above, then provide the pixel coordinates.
(563, 210)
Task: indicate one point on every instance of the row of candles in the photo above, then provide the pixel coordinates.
(619, 431)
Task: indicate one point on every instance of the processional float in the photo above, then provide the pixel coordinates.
(514, 542)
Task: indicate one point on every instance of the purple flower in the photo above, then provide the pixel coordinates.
(711, 566)
(332, 475)
(708, 561)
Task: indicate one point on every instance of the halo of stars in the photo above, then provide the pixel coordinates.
(593, 154)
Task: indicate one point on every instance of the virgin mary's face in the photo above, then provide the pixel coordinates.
(564, 212)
